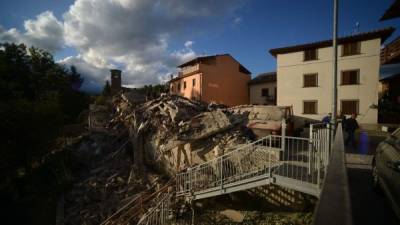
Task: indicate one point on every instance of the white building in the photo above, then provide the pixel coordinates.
(262, 89)
(304, 76)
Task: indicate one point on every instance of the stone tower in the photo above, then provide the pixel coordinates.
(115, 81)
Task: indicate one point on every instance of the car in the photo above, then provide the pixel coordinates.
(386, 169)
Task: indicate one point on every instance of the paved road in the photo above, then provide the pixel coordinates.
(368, 206)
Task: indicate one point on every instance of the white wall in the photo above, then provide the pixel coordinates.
(255, 92)
(291, 68)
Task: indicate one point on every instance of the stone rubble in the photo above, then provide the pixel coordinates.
(107, 180)
(174, 132)
(169, 133)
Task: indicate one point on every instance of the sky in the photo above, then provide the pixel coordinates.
(148, 39)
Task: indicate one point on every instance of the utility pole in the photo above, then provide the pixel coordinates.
(334, 64)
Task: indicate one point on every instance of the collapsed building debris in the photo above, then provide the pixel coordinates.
(170, 133)
(175, 132)
(107, 179)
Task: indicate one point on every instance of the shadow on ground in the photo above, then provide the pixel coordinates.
(368, 206)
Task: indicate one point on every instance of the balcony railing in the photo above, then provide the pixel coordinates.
(189, 69)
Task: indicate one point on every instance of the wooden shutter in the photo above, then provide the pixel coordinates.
(310, 107)
(310, 80)
(310, 54)
(351, 48)
(349, 106)
(350, 77)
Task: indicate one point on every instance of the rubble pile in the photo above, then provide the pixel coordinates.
(171, 133)
(174, 132)
(108, 180)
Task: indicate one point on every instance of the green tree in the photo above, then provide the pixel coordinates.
(37, 97)
(106, 89)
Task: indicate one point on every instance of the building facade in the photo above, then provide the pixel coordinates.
(304, 76)
(219, 78)
(263, 89)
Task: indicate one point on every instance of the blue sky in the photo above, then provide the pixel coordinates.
(246, 29)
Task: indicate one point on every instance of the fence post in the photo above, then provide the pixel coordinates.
(269, 156)
(221, 172)
(310, 148)
(283, 134)
(190, 180)
(194, 180)
(328, 145)
(318, 170)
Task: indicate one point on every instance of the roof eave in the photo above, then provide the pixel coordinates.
(383, 34)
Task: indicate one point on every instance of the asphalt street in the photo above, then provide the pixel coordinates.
(369, 207)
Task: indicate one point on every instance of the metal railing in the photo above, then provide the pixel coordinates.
(334, 205)
(297, 159)
(249, 161)
(320, 146)
(293, 162)
(161, 213)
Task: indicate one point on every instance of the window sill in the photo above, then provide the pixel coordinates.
(310, 86)
(310, 60)
(310, 113)
(349, 84)
(359, 53)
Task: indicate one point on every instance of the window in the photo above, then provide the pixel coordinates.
(310, 107)
(310, 80)
(310, 54)
(184, 84)
(350, 77)
(349, 106)
(194, 82)
(352, 48)
(264, 92)
(179, 86)
(172, 88)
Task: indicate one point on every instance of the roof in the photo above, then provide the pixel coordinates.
(204, 58)
(392, 12)
(381, 33)
(389, 78)
(389, 71)
(263, 78)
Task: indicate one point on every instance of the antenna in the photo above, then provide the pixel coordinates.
(356, 28)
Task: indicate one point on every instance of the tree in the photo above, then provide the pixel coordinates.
(106, 89)
(37, 97)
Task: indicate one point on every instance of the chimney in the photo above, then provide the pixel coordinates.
(115, 81)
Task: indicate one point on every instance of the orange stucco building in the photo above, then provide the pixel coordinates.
(218, 78)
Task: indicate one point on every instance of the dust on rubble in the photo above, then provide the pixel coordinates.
(141, 144)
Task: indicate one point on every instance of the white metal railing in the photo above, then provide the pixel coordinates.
(320, 145)
(295, 161)
(161, 213)
(281, 158)
(300, 159)
(248, 161)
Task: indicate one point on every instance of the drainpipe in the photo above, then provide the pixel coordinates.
(201, 86)
(334, 65)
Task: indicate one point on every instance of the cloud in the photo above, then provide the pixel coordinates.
(237, 20)
(188, 44)
(44, 32)
(132, 35)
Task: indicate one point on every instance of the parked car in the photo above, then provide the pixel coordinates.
(386, 169)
